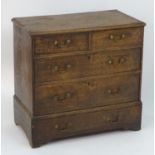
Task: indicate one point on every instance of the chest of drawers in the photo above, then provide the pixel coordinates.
(77, 74)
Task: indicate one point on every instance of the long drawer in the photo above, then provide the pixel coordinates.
(83, 65)
(122, 116)
(86, 93)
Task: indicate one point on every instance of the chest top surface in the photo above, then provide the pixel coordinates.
(76, 22)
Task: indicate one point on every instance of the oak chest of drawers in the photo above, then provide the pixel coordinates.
(77, 74)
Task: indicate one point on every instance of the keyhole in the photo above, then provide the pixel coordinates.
(89, 57)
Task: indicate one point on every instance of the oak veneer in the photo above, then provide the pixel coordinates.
(77, 74)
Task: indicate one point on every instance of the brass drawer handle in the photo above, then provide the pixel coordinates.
(68, 66)
(110, 61)
(114, 119)
(122, 60)
(118, 60)
(118, 37)
(123, 36)
(113, 91)
(68, 41)
(67, 95)
(61, 127)
(55, 68)
(112, 37)
(57, 44)
(56, 98)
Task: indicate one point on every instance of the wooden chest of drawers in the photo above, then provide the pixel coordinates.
(77, 74)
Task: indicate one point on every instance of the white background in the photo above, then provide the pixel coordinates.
(14, 141)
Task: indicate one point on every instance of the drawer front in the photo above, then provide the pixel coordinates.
(85, 94)
(91, 121)
(61, 43)
(78, 66)
(117, 39)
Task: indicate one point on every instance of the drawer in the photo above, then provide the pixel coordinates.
(89, 121)
(83, 65)
(87, 93)
(61, 43)
(117, 39)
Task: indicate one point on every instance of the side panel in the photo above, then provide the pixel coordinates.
(23, 67)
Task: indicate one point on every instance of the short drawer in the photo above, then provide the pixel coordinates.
(83, 65)
(82, 94)
(117, 39)
(61, 43)
(89, 121)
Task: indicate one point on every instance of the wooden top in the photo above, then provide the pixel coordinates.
(77, 22)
